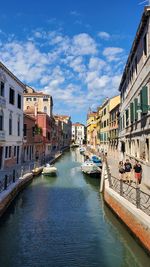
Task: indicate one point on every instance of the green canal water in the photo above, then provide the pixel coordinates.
(63, 222)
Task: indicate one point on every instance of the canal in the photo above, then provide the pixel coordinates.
(63, 222)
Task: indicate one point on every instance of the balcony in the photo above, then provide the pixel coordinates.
(2, 102)
(2, 136)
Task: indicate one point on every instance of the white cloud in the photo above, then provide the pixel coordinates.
(71, 69)
(83, 44)
(104, 35)
(113, 53)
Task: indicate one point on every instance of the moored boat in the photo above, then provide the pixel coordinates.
(37, 171)
(49, 170)
(97, 160)
(89, 167)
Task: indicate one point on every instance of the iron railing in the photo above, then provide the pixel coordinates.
(132, 193)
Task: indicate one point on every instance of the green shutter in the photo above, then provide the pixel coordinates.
(135, 108)
(144, 99)
(131, 113)
(127, 116)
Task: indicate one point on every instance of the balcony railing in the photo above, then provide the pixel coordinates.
(2, 102)
(2, 136)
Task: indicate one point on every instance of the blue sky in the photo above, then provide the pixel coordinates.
(73, 50)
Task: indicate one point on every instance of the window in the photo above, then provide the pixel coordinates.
(104, 124)
(2, 88)
(131, 112)
(104, 111)
(14, 151)
(19, 101)
(45, 99)
(33, 131)
(45, 109)
(48, 135)
(18, 126)
(6, 152)
(144, 99)
(25, 130)
(10, 124)
(1, 120)
(28, 99)
(145, 45)
(11, 96)
(9, 151)
(34, 99)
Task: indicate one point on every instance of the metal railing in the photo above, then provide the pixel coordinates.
(132, 193)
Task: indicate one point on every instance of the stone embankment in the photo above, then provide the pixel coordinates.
(8, 195)
(123, 201)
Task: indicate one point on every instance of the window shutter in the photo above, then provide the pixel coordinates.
(144, 99)
(131, 113)
(135, 109)
(127, 116)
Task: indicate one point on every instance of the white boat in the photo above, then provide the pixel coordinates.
(49, 170)
(82, 150)
(89, 167)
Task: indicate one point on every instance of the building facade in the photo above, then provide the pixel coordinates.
(134, 134)
(78, 133)
(44, 102)
(91, 128)
(11, 118)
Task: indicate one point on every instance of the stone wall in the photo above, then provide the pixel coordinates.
(136, 220)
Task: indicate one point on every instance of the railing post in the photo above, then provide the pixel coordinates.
(14, 173)
(5, 182)
(137, 197)
(121, 187)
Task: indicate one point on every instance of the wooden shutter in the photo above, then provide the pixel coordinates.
(135, 108)
(144, 99)
(131, 113)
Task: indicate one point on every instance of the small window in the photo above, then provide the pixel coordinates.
(25, 130)
(28, 99)
(14, 151)
(19, 101)
(45, 109)
(34, 99)
(10, 124)
(11, 96)
(45, 99)
(1, 120)
(6, 152)
(9, 151)
(33, 131)
(18, 125)
(2, 85)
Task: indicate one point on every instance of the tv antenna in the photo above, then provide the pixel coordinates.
(144, 2)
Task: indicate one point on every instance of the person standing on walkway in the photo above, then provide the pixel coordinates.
(121, 170)
(137, 172)
(128, 169)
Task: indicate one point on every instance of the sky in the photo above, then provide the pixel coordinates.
(75, 50)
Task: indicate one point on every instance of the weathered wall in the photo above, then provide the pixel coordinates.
(134, 219)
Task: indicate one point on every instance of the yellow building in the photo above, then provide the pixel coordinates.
(91, 128)
(32, 98)
(106, 108)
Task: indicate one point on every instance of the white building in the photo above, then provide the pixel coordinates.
(134, 133)
(78, 133)
(11, 118)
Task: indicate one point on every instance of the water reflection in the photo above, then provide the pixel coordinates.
(62, 222)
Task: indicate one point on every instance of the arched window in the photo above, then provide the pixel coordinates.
(1, 120)
(45, 109)
(10, 124)
(18, 126)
